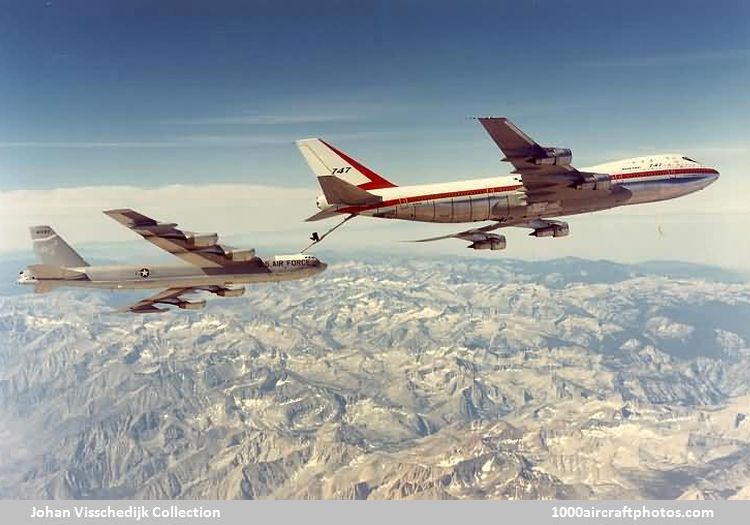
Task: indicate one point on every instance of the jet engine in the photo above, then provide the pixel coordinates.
(594, 181)
(237, 255)
(189, 305)
(554, 156)
(230, 292)
(201, 240)
(491, 242)
(553, 230)
(240, 255)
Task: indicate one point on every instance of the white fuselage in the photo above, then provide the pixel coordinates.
(633, 181)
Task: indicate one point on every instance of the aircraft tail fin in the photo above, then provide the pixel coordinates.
(326, 160)
(52, 250)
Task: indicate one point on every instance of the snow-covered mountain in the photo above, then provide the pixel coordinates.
(394, 378)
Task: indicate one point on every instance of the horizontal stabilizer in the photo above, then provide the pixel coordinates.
(45, 287)
(325, 214)
(338, 191)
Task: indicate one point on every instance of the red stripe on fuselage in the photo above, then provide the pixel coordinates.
(428, 197)
(376, 181)
(655, 173)
(479, 191)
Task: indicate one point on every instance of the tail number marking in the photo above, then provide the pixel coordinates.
(336, 171)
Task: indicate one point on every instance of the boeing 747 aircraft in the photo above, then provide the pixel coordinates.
(212, 267)
(543, 185)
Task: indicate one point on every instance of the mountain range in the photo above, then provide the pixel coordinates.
(388, 378)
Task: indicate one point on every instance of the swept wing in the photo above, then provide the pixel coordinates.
(173, 297)
(169, 296)
(474, 234)
(198, 249)
(546, 172)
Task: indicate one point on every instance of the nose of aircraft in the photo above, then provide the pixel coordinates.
(711, 177)
(24, 278)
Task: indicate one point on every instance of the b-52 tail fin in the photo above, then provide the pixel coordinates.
(52, 250)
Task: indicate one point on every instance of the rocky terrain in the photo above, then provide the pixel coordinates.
(388, 379)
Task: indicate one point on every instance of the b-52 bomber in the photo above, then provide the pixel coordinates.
(212, 267)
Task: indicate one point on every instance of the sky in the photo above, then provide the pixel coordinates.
(200, 102)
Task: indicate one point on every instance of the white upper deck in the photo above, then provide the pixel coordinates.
(647, 163)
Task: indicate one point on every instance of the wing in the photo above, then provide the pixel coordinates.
(545, 172)
(201, 250)
(480, 234)
(480, 238)
(475, 234)
(173, 296)
(169, 296)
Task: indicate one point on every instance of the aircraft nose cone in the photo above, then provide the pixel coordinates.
(323, 266)
(710, 179)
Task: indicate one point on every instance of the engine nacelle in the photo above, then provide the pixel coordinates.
(561, 230)
(594, 181)
(240, 255)
(546, 231)
(191, 305)
(230, 292)
(553, 230)
(555, 156)
(201, 240)
(492, 242)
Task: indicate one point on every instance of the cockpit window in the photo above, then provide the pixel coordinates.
(690, 160)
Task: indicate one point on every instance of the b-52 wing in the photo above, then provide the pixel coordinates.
(173, 296)
(545, 171)
(198, 249)
(168, 296)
